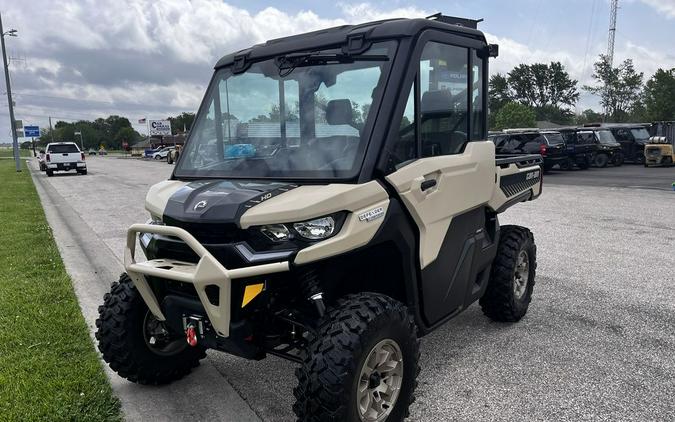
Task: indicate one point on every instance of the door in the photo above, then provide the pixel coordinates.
(448, 182)
(625, 138)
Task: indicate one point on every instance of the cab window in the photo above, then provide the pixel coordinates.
(444, 85)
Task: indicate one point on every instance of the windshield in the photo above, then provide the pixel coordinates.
(640, 134)
(606, 137)
(295, 116)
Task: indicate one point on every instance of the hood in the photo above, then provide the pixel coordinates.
(219, 201)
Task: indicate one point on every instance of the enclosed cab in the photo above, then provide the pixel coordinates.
(600, 140)
(632, 136)
(336, 198)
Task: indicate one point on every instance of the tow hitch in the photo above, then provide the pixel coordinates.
(191, 335)
(193, 328)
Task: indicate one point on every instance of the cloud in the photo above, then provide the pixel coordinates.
(667, 7)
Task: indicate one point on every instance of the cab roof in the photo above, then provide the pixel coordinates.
(354, 37)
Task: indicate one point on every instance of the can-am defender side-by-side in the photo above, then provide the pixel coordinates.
(336, 199)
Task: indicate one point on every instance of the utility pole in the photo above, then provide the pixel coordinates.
(51, 130)
(612, 31)
(15, 141)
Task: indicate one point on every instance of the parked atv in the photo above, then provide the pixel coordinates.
(336, 199)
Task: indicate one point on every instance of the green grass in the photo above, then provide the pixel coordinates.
(8, 153)
(49, 369)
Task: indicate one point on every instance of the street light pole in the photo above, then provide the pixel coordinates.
(15, 141)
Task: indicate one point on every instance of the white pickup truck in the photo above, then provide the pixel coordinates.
(64, 156)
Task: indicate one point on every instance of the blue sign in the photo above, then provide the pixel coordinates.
(31, 131)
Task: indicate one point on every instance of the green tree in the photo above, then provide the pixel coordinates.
(182, 121)
(500, 94)
(588, 116)
(618, 87)
(543, 86)
(513, 115)
(659, 96)
(126, 134)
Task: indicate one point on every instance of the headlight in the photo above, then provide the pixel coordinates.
(317, 229)
(276, 232)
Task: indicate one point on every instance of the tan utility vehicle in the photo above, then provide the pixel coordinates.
(336, 199)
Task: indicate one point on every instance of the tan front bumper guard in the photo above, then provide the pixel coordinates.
(208, 271)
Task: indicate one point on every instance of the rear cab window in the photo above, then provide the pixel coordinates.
(554, 138)
(63, 148)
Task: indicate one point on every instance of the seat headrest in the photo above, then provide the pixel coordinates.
(339, 112)
(436, 102)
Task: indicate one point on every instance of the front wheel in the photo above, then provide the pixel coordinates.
(601, 160)
(135, 344)
(362, 365)
(509, 289)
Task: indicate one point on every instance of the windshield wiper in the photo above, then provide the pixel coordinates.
(289, 62)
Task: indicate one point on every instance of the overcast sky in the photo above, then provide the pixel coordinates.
(87, 59)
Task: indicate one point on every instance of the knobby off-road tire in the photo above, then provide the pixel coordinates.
(601, 160)
(506, 298)
(121, 336)
(334, 367)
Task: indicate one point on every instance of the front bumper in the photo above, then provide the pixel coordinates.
(206, 272)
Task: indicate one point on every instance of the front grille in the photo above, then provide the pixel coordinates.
(210, 234)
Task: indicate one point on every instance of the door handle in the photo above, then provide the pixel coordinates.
(427, 184)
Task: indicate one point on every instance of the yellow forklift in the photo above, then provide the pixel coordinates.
(659, 152)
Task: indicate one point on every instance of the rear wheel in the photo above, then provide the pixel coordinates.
(362, 365)
(617, 160)
(584, 163)
(135, 344)
(601, 160)
(509, 290)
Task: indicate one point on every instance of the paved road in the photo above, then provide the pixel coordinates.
(627, 176)
(597, 344)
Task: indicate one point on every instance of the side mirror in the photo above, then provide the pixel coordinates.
(493, 50)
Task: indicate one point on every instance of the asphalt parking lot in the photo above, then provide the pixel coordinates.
(598, 341)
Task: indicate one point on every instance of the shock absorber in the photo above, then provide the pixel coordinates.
(311, 289)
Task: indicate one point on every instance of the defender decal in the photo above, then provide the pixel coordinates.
(371, 215)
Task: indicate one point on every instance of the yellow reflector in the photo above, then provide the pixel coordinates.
(251, 292)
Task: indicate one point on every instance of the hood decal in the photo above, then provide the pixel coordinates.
(219, 201)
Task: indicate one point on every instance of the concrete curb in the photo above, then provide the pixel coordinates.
(203, 395)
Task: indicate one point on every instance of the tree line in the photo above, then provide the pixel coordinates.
(541, 91)
(110, 132)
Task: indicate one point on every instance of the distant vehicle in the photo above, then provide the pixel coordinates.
(64, 156)
(632, 136)
(41, 160)
(92, 151)
(162, 153)
(173, 155)
(548, 143)
(606, 150)
(149, 152)
(580, 147)
(102, 151)
(659, 152)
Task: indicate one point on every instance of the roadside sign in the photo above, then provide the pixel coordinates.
(159, 127)
(18, 124)
(78, 133)
(31, 131)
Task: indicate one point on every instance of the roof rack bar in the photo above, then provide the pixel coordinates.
(454, 20)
